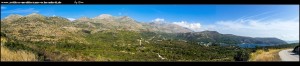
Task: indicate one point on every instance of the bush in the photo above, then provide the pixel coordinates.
(241, 56)
(78, 46)
(266, 49)
(17, 46)
(2, 34)
(87, 31)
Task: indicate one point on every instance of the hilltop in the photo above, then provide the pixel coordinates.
(116, 38)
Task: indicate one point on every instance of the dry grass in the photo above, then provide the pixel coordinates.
(21, 55)
(261, 55)
(3, 40)
(8, 55)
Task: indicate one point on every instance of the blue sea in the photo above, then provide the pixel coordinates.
(253, 45)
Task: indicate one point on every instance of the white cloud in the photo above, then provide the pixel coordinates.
(282, 29)
(192, 26)
(2, 7)
(158, 20)
(71, 19)
(19, 10)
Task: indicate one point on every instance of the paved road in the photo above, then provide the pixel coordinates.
(288, 55)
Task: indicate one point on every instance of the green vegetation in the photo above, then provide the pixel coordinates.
(242, 55)
(2, 34)
(125, 46)
(118, 39)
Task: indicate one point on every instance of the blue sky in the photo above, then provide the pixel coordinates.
(197, 17)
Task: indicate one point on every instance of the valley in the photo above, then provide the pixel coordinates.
(119, 38)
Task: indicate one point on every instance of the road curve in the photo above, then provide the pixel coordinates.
(288, 55)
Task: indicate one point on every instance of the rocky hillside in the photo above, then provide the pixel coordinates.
(36, 27)
(167, 28)
(109, 22)
(110, 38)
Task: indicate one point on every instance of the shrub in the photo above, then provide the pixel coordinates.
(2, 34)
(241, 56)
(17, 46)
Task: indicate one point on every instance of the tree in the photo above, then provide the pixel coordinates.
(241, 56)
(296, 49)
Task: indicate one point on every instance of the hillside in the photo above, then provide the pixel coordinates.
(109, 22)
(215, 37)
(110, 38)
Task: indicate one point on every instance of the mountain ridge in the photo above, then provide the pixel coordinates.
(115, 39)
(106, 22)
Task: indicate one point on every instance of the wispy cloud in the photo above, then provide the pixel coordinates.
(19, 10)
(71, 19)
(257, 15)
(158, 20)
(282, 29)
(192, 26)
(2, 7)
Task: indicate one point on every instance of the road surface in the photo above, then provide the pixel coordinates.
(288, 55)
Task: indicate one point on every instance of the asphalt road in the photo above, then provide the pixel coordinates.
(288, 55)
